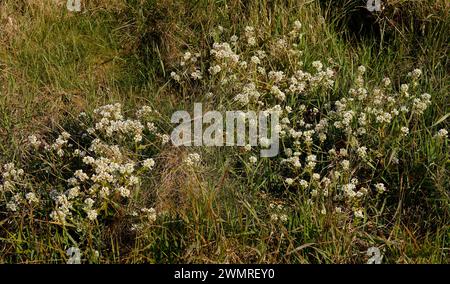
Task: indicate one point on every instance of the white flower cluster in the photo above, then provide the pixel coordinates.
(224, 53)
(192, 159)
(14, 192)
(111, 122)
(250, 35)
(150, 213)
(106, 171)
(379, 107)
(57, 146)
(442, 133)
(191, 70)
(278, 213)
(33, 140)
(300, 93)
(249, 93)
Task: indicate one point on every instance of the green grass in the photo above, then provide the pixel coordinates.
(55, 64)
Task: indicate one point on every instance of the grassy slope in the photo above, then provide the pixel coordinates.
(53, 63)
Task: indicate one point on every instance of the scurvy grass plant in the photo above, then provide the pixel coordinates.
(333, 152)
(79, 182)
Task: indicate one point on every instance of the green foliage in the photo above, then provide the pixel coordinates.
(224, 207)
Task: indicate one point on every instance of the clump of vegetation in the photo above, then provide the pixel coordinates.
(88, 174)
(82, 183)
(347, 156)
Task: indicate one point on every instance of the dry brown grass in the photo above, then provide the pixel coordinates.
(178, 184)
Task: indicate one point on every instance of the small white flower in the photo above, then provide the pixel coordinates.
(442, 133)
(104, 192)
(175, 76)
(380, 187)
(404, 88)
(359, 213)
(31, 197)
(274, 217)
(148, 164)
(73, 192)
(332, 152)
(416, 73)
(89, 202)
(133, 180)
(361, 69)
(213, 70)
(165, 139)
(362, 152)
(74, 255)
(11, 206)
(303, 183)
(196, 75)
(88, 160)
(345, 165)
(318, 65)
(255, 60)
(192, 159)
(81, 175)
(187, 55)
(124, 192)
(405, 131)
(363, 190)
(253, 160)
(92, 214)
(32, 139)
